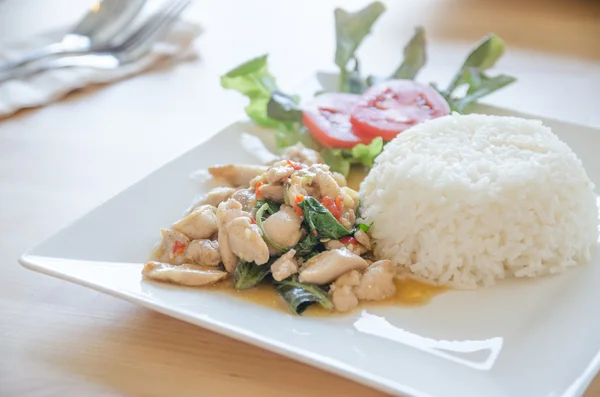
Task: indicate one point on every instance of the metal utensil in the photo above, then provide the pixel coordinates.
(138, 44)
(104, 20)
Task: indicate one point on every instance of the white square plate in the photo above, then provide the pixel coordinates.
(526, 338)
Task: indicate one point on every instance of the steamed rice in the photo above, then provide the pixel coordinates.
(466, 200)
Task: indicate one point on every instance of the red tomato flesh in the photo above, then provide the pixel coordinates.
(388, 108)
(327, 117)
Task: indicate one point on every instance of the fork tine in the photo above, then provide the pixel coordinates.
(152, 30)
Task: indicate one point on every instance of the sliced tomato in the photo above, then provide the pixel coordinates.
(327, 117)
(388, 108)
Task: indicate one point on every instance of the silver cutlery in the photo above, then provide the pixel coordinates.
(100, 25)
(134, 47)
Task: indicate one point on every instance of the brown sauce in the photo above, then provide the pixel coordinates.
(356, 176)
(408, 293)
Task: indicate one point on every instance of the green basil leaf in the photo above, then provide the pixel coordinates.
(272, 207)
(249, 274)
(308, 246)
(364, 227)
(483, 57)
(415, 56)
(481, 85)
(282, 107)
(319, 219)
(350, 30)
(300, 296)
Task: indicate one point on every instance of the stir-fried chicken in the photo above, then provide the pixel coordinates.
(284, 266)
(172, 247)
(329, 265)
(201, 223)
(275, 193)
(186, 274)
(302, 154)
(203, 252)
(284, 227)
(223, 228)
(238, 175)
(215, 197)
(246, 197)
(377, 282)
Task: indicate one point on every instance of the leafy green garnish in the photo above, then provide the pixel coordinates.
(259, 221)
(249, 274)
(350, 30)
(482, 57)
(415, 56)
(319, 219)
(364, 227)
(282, 107)
(340, 160)
(480, 85)
(253, 80)
(300, 296)
(272, 207)
(309, 245)
(268, 106)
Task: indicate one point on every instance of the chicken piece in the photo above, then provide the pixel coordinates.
(356, 248)
(238, 175)
(302, 154)
(274, 193)
(363, 239)
(226, 212)
(246, 197)
(246, 242)
(278, 172)
(215, 197)
(351, 199)
(342, 295)
(203, 252)
(339, 179)
(284, 266)
(343, 298)
(329, 265)
(284, 227)
(334, 244)
(295, 189)
(347, 219)
(377, 282)
(201, 223)
(325, 181)
(172, 247)
(186, 274)
(351, 278)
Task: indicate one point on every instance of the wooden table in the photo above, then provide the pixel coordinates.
(57, 163)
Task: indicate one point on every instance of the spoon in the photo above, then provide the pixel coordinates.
(103, 21)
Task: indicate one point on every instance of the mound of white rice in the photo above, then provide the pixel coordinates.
(465, 200)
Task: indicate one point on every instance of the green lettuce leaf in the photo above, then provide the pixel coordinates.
(341, 160)
(253, 80)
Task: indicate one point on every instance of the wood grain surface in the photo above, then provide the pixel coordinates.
(58, 162)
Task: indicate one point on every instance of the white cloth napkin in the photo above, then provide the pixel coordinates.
(52, 85)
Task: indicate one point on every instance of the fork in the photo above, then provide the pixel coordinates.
(97, 28)
(136, 46)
